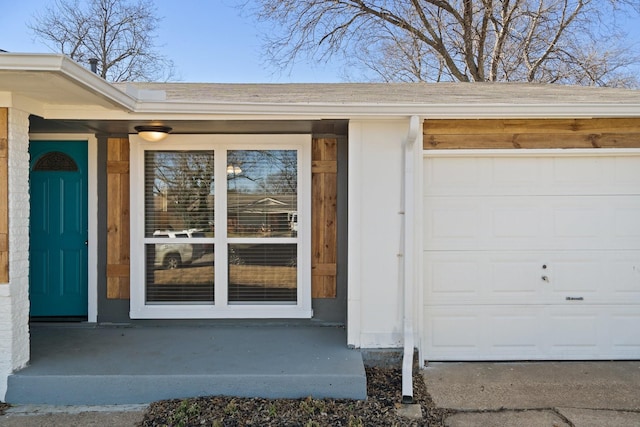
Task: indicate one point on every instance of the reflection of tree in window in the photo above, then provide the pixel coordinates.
(262, 192)
(180, 189)
(264, 171)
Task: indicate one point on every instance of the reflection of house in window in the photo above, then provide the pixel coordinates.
(256, 214)
(173, 216)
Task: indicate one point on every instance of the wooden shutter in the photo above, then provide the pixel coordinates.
(324, 190)
(4, 195)
(118, 245)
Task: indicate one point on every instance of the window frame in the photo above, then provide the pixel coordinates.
(221, 308)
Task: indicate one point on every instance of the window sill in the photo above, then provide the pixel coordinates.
(228, 312)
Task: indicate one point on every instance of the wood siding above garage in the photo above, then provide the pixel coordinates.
(531, 133)
(4, 195)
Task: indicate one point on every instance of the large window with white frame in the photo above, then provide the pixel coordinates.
(220, 226)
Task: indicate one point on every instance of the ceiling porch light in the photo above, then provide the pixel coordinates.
(153, 133)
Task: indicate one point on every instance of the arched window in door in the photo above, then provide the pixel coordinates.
(55, 161)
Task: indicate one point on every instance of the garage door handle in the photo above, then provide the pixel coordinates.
(545, 278)
(575, 298)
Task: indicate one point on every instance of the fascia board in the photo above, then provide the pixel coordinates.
(98, 85)
(534, 111)
(189, 111)
(449, 111)
(31, 61)
(70, 70)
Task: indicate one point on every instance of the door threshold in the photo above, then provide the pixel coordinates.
(57, 319)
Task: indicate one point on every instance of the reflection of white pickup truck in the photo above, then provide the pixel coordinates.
(174, 255)
(293, 221)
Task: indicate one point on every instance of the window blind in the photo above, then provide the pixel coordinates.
(179, 215)
(262, 194)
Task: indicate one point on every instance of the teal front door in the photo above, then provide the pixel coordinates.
(58, 229)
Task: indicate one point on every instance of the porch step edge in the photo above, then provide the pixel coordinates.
(144, 389)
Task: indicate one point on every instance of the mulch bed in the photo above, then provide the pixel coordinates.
(384, 389)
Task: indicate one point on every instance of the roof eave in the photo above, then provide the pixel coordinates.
(71, 71)
(118, 104)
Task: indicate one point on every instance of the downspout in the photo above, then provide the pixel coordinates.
(407, 255)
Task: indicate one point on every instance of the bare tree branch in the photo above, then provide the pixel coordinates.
(458, 40)
(118, 33)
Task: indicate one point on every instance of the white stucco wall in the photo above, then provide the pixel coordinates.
(375, 178)
(14, 297)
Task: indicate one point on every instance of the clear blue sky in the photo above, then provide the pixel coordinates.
(208, 40)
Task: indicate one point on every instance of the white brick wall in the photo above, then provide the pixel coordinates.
(14, 299)
(6, 334)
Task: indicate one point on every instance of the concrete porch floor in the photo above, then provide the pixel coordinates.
(102, 365)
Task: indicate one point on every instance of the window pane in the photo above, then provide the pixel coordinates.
(179, 191)
(179, 205)
(262, 187)
(179, 272)
(263, 273)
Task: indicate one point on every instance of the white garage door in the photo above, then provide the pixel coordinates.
(532, 255)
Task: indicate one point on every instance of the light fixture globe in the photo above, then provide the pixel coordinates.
(153, 133)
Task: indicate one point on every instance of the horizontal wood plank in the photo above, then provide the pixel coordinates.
(118, 167)
(118, 270)
(324, 166)
(531, 141)
(324, 270)
(543, 126)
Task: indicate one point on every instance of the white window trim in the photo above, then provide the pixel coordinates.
(221, 309)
